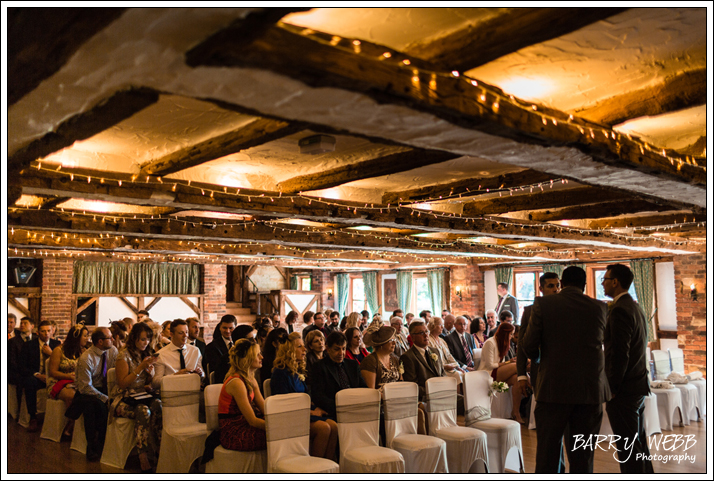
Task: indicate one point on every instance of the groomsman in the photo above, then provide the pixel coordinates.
(506, 302)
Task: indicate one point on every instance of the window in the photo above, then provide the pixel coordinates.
(526, 289)
(600, 292)
(359, 300)
(305, 283)
(423, 300)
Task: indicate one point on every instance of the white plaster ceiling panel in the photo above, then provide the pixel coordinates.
(169, 125)
(674, 130)
(397, 28)
(635, 49)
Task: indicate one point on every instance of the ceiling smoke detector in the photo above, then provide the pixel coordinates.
(317, 144)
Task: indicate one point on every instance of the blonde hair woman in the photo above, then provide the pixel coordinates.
(240, 404)
(353, 320)
(289, 376)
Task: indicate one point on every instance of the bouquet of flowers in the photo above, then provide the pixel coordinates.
(498, 386)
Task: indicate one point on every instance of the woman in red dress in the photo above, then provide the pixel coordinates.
(240, 405)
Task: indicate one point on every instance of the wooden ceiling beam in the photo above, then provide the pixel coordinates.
(388, 164)
(595, 210)
(680, 91)
(516, 28)
(308, 56)
(647, 220)
(257, 132)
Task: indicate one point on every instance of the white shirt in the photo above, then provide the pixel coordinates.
(169, 361)
(489, 355)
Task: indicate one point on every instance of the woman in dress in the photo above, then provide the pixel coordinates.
(315, 345)
(478, 331)
(119, 332)
(270, 349)
(451, 366)
(355, 351)
(289, 376)
(240, 404)
(62, 366)
(492, 359)
(382, 366)
(134, 371)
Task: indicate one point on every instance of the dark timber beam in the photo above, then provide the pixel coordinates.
(258, 132)
(482, 42)
(686, 89)
(309, 57)
(647, 221)
(595, 211)
(389, 164)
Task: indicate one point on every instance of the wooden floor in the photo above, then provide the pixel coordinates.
(27, 453)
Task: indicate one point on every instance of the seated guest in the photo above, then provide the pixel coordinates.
(134, 370)
(333, 373)
(275, 319)
(315, 345)
(11, 321)
(419, 362)
(91, 397)
(220, 344)
(177, 357)
(165, 339)
(33, 357)
(506, 316)
(194, 329)
(400, 337)
(63, 365)
(353, 320)
(425, 315)
(319, 324)
(240, 404)
(129, 323)
(409, 318)
(382, 366)
(142, 316)
(307, 320)
(288, 376)
(270, 348)
(364, 320)
(244, 331)
(448, 328)
(491, 323)
(156, 338)
(438, 345)
(334, 324)
(262, 329)
(461, 344)
(371, 329)
(290, 321)
(355, 350)
(478, 331)
(492, 359)
(119, 333)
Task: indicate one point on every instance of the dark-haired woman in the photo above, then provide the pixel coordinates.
(355, 349)
(478, 331)
(134, 370)
(492, 359)
(270, 348)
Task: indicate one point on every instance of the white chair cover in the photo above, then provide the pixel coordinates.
(651, 415)
(24, 416)
(12, 407)
(502, 435)
(266, 388)
(669, 403)
(690, 394)
(55, 421)
(422, 454)
(226, 460)
(466, 448)
(287, 426)
(183, 437)
(121, 434)
(79, 438)
(477, 356)
(358, 429)
(676, 357)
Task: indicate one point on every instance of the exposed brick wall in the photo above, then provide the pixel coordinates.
(470, 278)
(57, 293)
(321, 281)
(214, 301)
(692, 315)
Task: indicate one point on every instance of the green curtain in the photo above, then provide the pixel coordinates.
(293, 282)
(436, 289)
(140, 278)
(404, 290)
(644, 287)
(557, 268)
(342, 282)
(370, 291)
(504, 274)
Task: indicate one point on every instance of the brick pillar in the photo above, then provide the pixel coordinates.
(692, 315)
(470, 278)
(321, 281)
(57, 293)
(214, 300)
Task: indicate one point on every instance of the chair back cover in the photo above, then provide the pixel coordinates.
(477, 402)
(676, 357)
(111, 379)
(661, 363)
(401, 401)
(477, 356)
(211, 395)
(287, 426)
(266, 388)
(357, 418)
(179, 397)
(441, 403)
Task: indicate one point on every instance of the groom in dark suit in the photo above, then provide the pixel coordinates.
(567, 331)
(419, 362)
(626, 368)
(461, 344)
(334, 373)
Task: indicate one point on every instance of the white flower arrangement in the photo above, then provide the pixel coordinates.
(497, 386)
(401, 368)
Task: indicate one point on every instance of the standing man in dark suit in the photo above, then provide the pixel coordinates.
(567, 331)
(220, 344)
(462, 345)
(33, 358)
(626, 368)
(507, 302)
(334, 373)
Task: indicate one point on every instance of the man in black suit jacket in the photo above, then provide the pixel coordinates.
(419, 362)
(193, 331)
(567, 331)
(626, 368)
(33, 359)
(220, 344)
(456, 340)
(507, 302)
(491, 323)
(334, 373)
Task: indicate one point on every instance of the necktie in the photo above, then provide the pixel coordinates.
(230, 345)
(104, 372)
(467, 351)
(182, 361)
(498, 307)
(344, 382)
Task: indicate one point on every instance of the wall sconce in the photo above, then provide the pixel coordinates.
(329, 294)
(458, 292)
(693, 291)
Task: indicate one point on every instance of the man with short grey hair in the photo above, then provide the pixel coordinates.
(491, 323)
